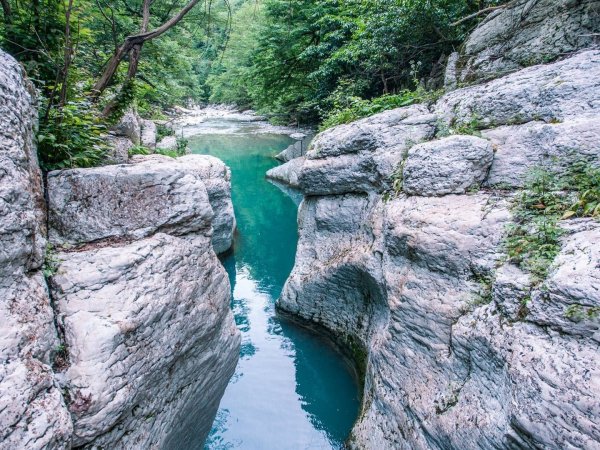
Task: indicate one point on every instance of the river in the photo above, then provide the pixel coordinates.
(291, 389)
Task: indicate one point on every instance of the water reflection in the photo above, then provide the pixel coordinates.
(290, 389)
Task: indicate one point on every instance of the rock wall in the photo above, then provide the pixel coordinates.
(132, 343)
(141, 298)
(522, 34)
(459, 348)
(33, 413)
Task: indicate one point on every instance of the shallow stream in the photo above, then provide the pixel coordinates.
(291, 390)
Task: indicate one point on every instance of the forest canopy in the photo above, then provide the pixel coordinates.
(296, 61)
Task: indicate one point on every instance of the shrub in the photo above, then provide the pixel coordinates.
(138, 150)
(71, 137)
(349, 109)
(533, 240)
(585, 179)
(163, 131)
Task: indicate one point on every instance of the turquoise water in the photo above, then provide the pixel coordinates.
(291, 390)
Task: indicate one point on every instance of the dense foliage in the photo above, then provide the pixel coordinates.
(307, 61)
(296, 59)
(67, 45)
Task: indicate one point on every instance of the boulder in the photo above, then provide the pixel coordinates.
(152, 342)
(216, 177)
(129, 127)
(361, 156)
(452, 165)
(118, 149)
(33, 414)
(287, 173)
(167, 143)
(148, 133)
(125, 202)
(525, 33)
(519, 148)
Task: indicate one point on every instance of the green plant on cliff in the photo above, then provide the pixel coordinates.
(51, 262)
(532, 241)
(71, 137)
(585, 179)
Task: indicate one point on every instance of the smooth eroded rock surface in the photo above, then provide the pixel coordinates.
(216, 177)
(33, 414)
(125, 201)
(451, 165)
(287, 173)
(563, 90)
(519, 148)
(361, 156)
(525, 33)
(152, 342)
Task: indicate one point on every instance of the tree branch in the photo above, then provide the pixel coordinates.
(481, 12)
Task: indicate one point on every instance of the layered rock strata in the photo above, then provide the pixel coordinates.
(524, 33)
(459, 348)
(33, 413)
(133, 342)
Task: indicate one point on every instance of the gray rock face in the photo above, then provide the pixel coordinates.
(296, 150)
(148, 283)
(555, 92)
(148, 133)
(119, 147)
(288, 173)
(33, 414)
(451, 165)
(361, 156)
(536, 144)
(167, 143)
(147, 343)
(129, 127)
(216, 176)
(460, 350)
(125, 202)
(525, 33)
(143, 373)
(22, 230)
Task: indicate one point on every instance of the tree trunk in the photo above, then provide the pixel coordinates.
(7, 11)
(68, 56)
(137, 40)
(134, 56)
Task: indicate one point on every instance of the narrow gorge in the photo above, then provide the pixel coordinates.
(424, 275)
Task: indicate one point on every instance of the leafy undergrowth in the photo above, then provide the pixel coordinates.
(71, 137)
(532, 241)
(349, 109)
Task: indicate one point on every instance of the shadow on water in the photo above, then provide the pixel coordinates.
(291, 390)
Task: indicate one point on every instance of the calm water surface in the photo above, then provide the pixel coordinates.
(290, 389)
